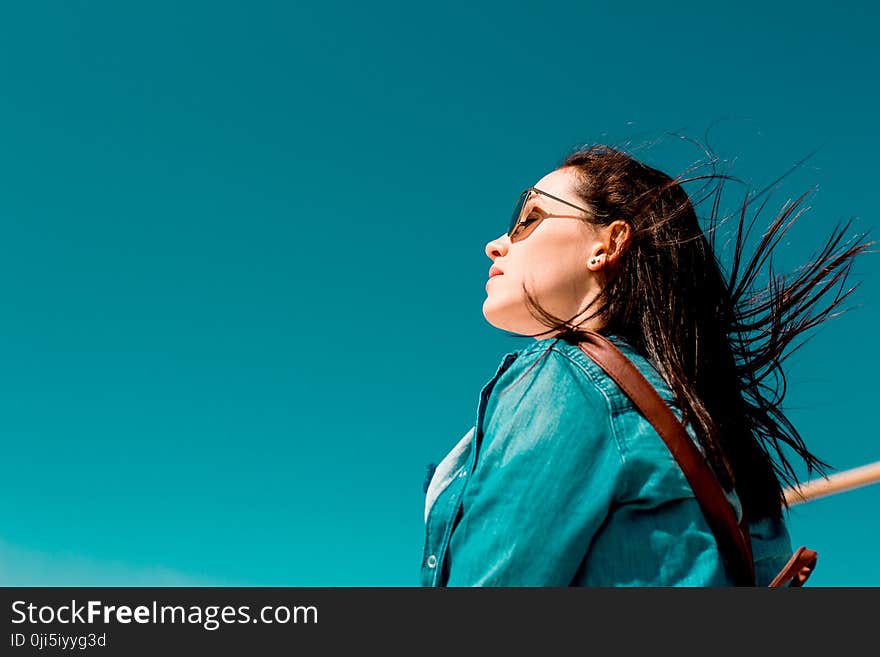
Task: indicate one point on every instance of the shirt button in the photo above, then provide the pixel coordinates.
(432, 561)
(463, 473)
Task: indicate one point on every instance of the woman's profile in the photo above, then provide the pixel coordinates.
(561, 481)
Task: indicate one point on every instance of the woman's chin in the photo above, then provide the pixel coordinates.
(492, 312)
(499, 319)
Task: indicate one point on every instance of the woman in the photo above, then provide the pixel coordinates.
(561, 481)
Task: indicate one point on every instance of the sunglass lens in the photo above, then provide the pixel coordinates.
(517, 211)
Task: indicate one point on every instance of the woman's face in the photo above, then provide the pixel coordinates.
(551, 256)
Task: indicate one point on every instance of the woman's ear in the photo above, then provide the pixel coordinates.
(613, 241)
(619, 234)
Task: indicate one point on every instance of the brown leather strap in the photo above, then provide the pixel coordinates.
(798, 569)
(733, 540)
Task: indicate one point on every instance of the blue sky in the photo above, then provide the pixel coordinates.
(243, 259)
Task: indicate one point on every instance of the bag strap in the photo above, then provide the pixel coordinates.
(797, 570)
(733, 539)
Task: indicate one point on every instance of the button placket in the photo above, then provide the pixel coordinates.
(458, 494)
(454, 502)
(455, 491)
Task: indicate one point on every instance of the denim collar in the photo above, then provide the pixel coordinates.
(544, 343)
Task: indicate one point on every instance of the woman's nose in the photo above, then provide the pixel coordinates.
(497, 247)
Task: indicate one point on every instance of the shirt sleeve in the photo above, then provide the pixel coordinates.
(549, 470)
(771, 548)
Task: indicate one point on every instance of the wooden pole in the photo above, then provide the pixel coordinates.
(836, 483)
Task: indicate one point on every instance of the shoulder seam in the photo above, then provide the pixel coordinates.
(621, 451)
(599, 378)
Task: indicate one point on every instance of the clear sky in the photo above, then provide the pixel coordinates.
(243, 257)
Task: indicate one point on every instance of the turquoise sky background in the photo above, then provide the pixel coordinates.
(243, 258)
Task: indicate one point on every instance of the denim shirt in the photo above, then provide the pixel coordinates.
(563, 482)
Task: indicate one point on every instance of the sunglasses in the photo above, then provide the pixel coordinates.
(518, 224)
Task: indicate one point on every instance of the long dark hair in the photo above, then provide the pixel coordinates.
(716, 342)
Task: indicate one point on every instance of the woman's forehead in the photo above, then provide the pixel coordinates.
(559, 182)
(556, 183)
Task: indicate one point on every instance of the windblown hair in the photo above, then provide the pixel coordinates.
(715, 341)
